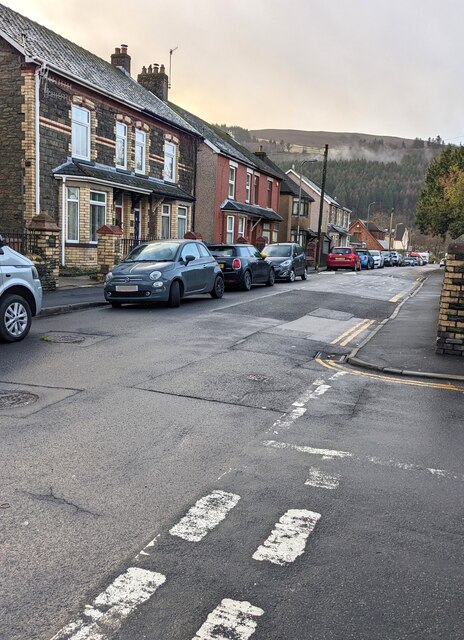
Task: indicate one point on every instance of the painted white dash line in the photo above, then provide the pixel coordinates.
(205, 515)
(231, 619)
(321, 480)
(327, 454)
(287, 419)
(288, 540)
(104, 617)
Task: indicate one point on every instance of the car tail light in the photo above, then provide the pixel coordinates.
(237, 263)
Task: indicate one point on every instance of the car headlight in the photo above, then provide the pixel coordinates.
(286, 263)
(35, 273)
(155, 275)
(109, 276)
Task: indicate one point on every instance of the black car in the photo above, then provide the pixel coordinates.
(164, 271)
(288, 259)
(242, 265)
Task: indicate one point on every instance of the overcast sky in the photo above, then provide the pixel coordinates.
(386, 67)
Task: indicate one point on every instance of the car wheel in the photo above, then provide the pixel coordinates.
(246, 282)
(304, 275)
(174, 294)
(271, 280)
(116, 305)
(292, 276)
(15, 318)
(218, 289)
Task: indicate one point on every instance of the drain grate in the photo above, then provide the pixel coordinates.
(9, 399)
(64, 338)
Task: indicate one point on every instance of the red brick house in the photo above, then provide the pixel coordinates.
(368, 238)
(86, 142)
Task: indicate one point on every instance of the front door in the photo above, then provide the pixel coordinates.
(137, 226)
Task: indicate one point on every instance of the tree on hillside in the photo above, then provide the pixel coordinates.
(440, 207)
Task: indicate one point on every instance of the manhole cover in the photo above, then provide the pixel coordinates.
(10, 399)
(64, 338)
(257, 378)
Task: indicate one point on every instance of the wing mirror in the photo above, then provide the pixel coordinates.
(2, 241)
(188, 259)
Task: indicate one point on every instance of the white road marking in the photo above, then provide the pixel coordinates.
(144, 551)
(339, 374)
(231, 619)
(105, 616)
(205, 515)
(288, 540)
(322, 480)
(326, 454)
(287, 419)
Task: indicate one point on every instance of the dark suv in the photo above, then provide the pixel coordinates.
(288, 259)
(243, 265)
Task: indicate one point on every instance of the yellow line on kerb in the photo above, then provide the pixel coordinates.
(356, 333)
(387, 378)
(348, 333)
(396, 298)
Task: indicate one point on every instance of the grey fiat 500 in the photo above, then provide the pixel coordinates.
(164, 271)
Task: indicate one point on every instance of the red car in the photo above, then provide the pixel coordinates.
(343, 258)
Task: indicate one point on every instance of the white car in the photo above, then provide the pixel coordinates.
(378, 258)
(20, 294)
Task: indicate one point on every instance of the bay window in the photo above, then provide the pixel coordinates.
(72, 215)
(97, 213)
(230, 229)
(181, 221)
(165, 221)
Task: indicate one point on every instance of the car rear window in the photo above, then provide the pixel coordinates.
(223, 251)
(341, 250)
(278, 250)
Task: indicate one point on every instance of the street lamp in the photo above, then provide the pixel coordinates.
(299, 198)
(368, 210)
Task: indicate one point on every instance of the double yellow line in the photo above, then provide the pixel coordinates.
(352, 332)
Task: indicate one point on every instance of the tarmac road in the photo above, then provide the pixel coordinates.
(215, 471)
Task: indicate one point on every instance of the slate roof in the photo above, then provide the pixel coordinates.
(317, 189)
(251, 209)
(288, 186)
(123, 180)
(339, 230)
(84, 67)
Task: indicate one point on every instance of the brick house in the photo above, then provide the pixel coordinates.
(84, 141)
(237, 193)
(369, 238)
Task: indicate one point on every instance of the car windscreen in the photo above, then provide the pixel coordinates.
(277, 251)
(223, 251)
(341, 250)
(153, 252)
(362, 253)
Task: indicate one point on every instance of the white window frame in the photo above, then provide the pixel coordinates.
(249, 180)
(232, 179)
(269, 194)
(142, 145)
(97, 203)
(182, 217)
(122, 137)
(166, 215)
(256, 178)
(241, 226)
(69, 200)
(230, 225)
(170, 151)
(77, 125)
(266, 232)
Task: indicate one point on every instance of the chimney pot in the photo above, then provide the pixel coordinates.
(260, 147)
(155, 68)
(150, 69)
(124, 48)
(117, 50)
(162, 68)
(120, 58)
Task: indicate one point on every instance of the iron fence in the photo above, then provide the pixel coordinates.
(23, 241)
(127, 244)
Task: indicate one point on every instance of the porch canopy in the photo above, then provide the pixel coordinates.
(340, 230)
(251, 210)
(120, 180)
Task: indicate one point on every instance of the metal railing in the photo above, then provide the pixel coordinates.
(21, 240)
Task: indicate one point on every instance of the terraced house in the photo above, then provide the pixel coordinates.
(84, 141)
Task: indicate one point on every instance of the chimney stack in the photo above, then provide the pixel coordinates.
(121, 59)
(261, 154)
(154, 79)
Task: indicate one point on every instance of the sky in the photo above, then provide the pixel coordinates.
(384, 67)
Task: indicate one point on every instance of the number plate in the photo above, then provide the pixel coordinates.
(221, 264)
(126, 287)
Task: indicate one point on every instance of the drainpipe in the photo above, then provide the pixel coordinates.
(64, 220)
(37, 139)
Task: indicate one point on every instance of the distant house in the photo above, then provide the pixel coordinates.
(368, 237)
(335, 217)
(401, 237)
(84, 141)
(237, 193)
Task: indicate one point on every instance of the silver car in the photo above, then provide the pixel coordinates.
(164, 271)
(20, 294)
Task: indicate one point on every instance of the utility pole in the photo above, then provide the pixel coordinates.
(321, 211)
(391, 228)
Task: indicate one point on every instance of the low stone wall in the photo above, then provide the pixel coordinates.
(450, 335)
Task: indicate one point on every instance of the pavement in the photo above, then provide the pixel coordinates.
(403, 344)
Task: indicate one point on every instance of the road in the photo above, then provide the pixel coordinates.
(214, 472)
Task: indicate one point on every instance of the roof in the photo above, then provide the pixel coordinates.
(341, 230)
(312, 185)
(400, 231)
(81, 171)
(287, 186)
(251, 209)
(63, 56)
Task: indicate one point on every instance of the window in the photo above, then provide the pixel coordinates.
(275, 233)
(181, 221)
(241, 226)
(248, 186)
(269, 194)
(72, 220)
(140, 151)
(118, 210)
(204, 253)
(230, 229)
(121, 145)
(190, 249)
(80, 132)
(304, 207)
(267, 231)
(232, 172)
(256, 190)
(97, 213)
(165, 221)
(170, 161)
